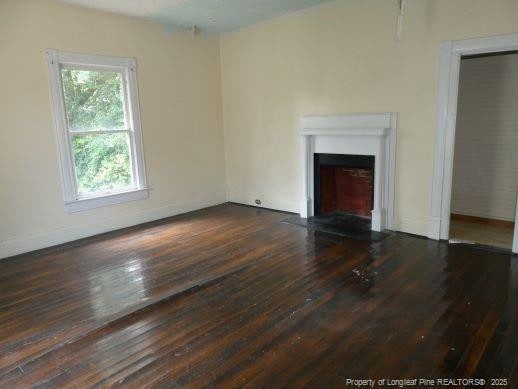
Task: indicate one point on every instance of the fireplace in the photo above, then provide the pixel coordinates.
(344, 183)
(370, 139)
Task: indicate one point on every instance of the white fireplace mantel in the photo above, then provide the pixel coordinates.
(357, 134)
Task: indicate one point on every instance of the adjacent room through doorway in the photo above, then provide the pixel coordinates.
(485, 169)
(227, 194)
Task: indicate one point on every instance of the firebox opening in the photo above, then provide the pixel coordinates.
(344, 183)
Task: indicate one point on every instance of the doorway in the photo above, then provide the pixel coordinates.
(485, 163)
(474, 190)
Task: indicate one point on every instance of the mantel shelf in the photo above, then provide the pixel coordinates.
(345, 131)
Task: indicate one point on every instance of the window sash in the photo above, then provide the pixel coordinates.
(131, 142)
(58, 60)
(108, 69)
(127, 123)
(72, 133)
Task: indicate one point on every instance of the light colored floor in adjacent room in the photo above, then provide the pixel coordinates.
(498, 236)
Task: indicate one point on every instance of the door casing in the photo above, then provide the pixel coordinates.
(450, 55)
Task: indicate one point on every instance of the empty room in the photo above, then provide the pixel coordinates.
(259, 193)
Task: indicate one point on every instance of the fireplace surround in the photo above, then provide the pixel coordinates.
(357, 134)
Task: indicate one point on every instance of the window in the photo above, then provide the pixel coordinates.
(97, 120)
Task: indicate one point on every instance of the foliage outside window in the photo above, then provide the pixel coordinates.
(94, 104)
(102, 154)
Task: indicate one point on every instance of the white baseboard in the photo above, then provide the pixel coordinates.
(412, 226)
(266, 202)
(483, 215)
(45, 239)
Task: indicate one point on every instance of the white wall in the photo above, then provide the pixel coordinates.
(180, 96)
(485, 170)
(337, 58)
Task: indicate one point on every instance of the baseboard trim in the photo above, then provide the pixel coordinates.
(482, 220)
(274, 203)
(259, 207)
(25, 244)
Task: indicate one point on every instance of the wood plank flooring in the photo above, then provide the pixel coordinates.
(231, 296)
(483, 233)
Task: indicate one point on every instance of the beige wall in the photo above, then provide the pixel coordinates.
(485, 168)
(337, 58)
(342, 58)
(180, 97)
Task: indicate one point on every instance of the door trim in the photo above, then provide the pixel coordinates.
(450, 54)
(515, 236)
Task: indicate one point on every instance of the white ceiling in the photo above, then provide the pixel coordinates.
(210, 16)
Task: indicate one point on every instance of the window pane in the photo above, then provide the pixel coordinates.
(102, 162)
(93, 100)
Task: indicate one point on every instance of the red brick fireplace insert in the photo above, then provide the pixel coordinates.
(344, 183)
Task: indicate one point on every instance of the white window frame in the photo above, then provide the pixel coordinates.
(127, 67)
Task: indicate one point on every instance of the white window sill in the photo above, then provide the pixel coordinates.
(103, 201)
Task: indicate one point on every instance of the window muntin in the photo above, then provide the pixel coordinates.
(95, 102)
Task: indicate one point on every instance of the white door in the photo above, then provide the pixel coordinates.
(515, 239)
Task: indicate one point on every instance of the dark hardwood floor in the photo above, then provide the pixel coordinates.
(231, 296)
